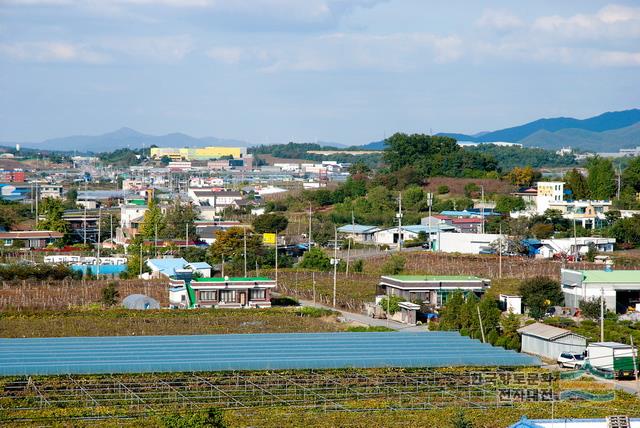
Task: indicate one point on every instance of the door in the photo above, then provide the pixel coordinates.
(243, 299)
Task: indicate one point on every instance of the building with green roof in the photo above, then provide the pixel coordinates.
(227, 292)
(621, 288)
(431, 289)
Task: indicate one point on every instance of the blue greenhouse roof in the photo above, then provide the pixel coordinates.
(126, 354)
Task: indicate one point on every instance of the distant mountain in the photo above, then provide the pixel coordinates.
(604, 122)
(607, 141)
(607, 132)
(127, 138)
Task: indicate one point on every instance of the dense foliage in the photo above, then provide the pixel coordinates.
(540, 293)
(435, 156)
(512, 156)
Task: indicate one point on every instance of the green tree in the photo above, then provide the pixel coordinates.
(631, 175)
(450, 314)
(590, 308)
(442, 189)
(53, 210)
(577, 183)
(506, 203)
(460, 420)
(490, 313)
(178, 218)
(523, 176)
(627, 231)
(72, 198)
(390, 304)
(393, 265)
(270, 223)
(315, 258)
(539, 293)
(109, 294)
(230, 244)
(153, 221)
(602, 178)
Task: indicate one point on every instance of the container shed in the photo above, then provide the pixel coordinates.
(549, 342)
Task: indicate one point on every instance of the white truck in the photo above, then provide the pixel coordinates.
(616, 358)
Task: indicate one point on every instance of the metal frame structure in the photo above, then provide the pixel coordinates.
(128, 396)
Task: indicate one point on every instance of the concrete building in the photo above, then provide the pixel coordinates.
(548, 192)
(466, 243)
(30, 238)
(431, 289)
(200, 153)
(226, 292)
(549, 342)
(359, 233)
(588, 214)
(217, 198)
(50, 191)
(392, 236)
(621, 288)
(570, 246)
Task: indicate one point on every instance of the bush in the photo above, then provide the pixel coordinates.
(358, 266)
(539, 293)
(311, 312)
(394, 265)
(590, 308)
(315, 258)
(109, 296)
(443, 189)
(390, 305)
(284, 301)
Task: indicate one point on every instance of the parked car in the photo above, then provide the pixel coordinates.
(570, 360)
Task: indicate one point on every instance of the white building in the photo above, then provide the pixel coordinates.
(621, 288)
(466, 243)
(391, 236)
(219, 199)
(588, 214)
(50, 191)
(549, 342)
(548, 192)
(568, 246)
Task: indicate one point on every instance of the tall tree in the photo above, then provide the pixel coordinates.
(53, 210)
(631, 175)
(520, 176)
(230, 243)
(153, 221)
(602, 178)
(178, 217)
(577, 183)
(270, 223)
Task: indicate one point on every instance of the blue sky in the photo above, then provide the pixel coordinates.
(347, 71)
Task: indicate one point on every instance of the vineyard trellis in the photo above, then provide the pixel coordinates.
(329, 390)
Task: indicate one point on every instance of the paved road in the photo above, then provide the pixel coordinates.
(363, 319)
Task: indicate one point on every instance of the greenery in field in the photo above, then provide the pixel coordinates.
(510, 157)
(122, 322)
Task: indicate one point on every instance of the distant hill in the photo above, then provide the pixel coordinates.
(607, 132)
(127, 138)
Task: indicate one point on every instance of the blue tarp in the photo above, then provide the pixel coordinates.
(126, 354)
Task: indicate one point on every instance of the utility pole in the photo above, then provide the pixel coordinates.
(309, 236)
(84, 222)
(429, 203)
(313, 279)
(353, 226)
(141, 244)
(575, 240)
(481, 327)
(619, 180)
(500, 254)
(636, 368)
(37, 198)
(335, 263)
(244, 238)
(482, 207)
(111, 226)
(186, 237)
(601, 314)
(276, 259)
(99, 241)
(399, 215)
(155, 240)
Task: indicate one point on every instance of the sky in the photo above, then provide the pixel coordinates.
(344, 71)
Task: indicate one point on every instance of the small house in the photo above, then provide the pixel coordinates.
(29, 238)
(549, 342)
(431, 289)
(250, 292)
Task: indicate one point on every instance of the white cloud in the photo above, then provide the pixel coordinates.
(499, 20)
(52, 52)
(610, 22)
(343, 51)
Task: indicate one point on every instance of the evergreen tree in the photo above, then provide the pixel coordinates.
(602, 178)
(53, 210)
(577, 183)
(153, 220)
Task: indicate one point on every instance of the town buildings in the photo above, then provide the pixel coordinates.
(620, 288)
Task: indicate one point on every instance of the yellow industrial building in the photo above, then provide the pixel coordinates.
(200, 153)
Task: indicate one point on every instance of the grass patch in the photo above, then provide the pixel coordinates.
(122, 322)
(363, 328)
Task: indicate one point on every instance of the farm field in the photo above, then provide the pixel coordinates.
(326, 398)
(123, 322)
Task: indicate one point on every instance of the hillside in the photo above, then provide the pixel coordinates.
(607, 132)
(127, 138)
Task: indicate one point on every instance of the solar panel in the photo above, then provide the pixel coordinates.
(144, 354)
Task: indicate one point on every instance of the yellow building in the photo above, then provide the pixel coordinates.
(200, 153)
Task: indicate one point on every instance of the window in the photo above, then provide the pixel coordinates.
(257, 294)
(228, 296)
(207, 295)
(8, 242)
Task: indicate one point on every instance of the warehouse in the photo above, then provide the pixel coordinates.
(431, 289)
(621, 289)
(549, 342)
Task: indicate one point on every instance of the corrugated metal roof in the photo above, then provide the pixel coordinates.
(432, 278)
(544, 331)
(601, 276)
(126, 354)
(357, 228)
